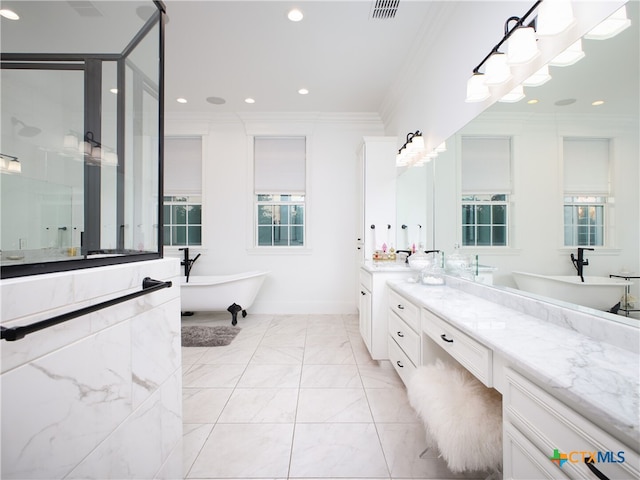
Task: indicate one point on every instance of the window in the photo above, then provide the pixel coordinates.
(279, 186)
(586, 191)
(280, 220)
(484, 220)
(486, 185)
(584, 221)
(182, 220)
(183, 191)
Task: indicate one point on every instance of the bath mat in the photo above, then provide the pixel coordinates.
(218, 336)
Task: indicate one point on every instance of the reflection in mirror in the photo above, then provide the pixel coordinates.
(545, 212)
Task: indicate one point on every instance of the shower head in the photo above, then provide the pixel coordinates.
(26, 130)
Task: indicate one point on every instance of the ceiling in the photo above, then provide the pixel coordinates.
(238, 49)
(349, 61)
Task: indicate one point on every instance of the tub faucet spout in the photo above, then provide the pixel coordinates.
(579, 263)
(187, 262)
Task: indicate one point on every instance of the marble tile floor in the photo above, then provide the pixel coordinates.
(298, 396)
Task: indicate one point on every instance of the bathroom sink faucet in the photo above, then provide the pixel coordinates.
(580, 262)
(187, 262)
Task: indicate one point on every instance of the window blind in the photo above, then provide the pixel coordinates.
(279, 164)
(486, 165)
(586, 165)
(183, 165)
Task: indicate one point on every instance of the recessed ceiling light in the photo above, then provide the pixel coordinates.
(597, 103)
(303, 91)
(533, 101)
(181, 100)
(295, 15)
(249, 100)
(10, 14)
(216, 100)
(114, 90)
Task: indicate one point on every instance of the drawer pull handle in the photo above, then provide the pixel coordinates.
(400, 334)
(590, 463)
(444, 337)
(400, 307)
(362, 293)
(399, 363)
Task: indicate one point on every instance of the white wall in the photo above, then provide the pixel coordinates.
(321, 277)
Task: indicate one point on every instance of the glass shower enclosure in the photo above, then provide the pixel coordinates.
(81, 93)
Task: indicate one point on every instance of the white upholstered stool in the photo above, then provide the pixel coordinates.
(461, 416)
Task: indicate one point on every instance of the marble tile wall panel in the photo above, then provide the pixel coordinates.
(15, 313)
(98, 396)
(56, 409)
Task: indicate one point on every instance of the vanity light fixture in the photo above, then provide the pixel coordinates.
(96, 153)
(611, 26)
(541, 77)
(514, 95)
(477, 91)
(9, 14)
(522, 45)
(522, 48)
(70, 141)
(570, 56)
(10, 164)
(412, 151)
(497, 69)
(554, 17)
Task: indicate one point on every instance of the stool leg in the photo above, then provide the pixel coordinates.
(424, 452)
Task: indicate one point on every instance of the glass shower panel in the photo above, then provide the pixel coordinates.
(142, 135)
(42, 195)
(109, 228)
(81, 137)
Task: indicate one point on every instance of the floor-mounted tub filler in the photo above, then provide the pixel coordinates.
(215, 293)
(601, 293)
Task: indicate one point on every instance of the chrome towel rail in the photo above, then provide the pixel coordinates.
(11, 334)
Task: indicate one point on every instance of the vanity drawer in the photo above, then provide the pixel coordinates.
(405, 310)
(405, 337)
(550, 424)
(400, 361)
(474, 356)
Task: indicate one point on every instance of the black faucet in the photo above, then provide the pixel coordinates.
(580, 262)
(188, 262)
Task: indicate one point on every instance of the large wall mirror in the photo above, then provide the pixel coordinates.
(540, 170)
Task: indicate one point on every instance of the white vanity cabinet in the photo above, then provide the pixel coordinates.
(403, 335)
(471, 354)
(376, 194)
(536, 424)
(373, 307)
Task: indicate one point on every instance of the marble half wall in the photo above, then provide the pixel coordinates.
(100, 395)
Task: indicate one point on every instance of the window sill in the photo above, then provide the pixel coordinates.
(279, 251)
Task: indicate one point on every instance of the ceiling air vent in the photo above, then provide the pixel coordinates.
(384, 9)
(85, 8)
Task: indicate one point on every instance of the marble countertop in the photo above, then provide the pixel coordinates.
(599, 380)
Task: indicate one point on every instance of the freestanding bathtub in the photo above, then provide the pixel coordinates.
(214, 293)
(601, 293)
